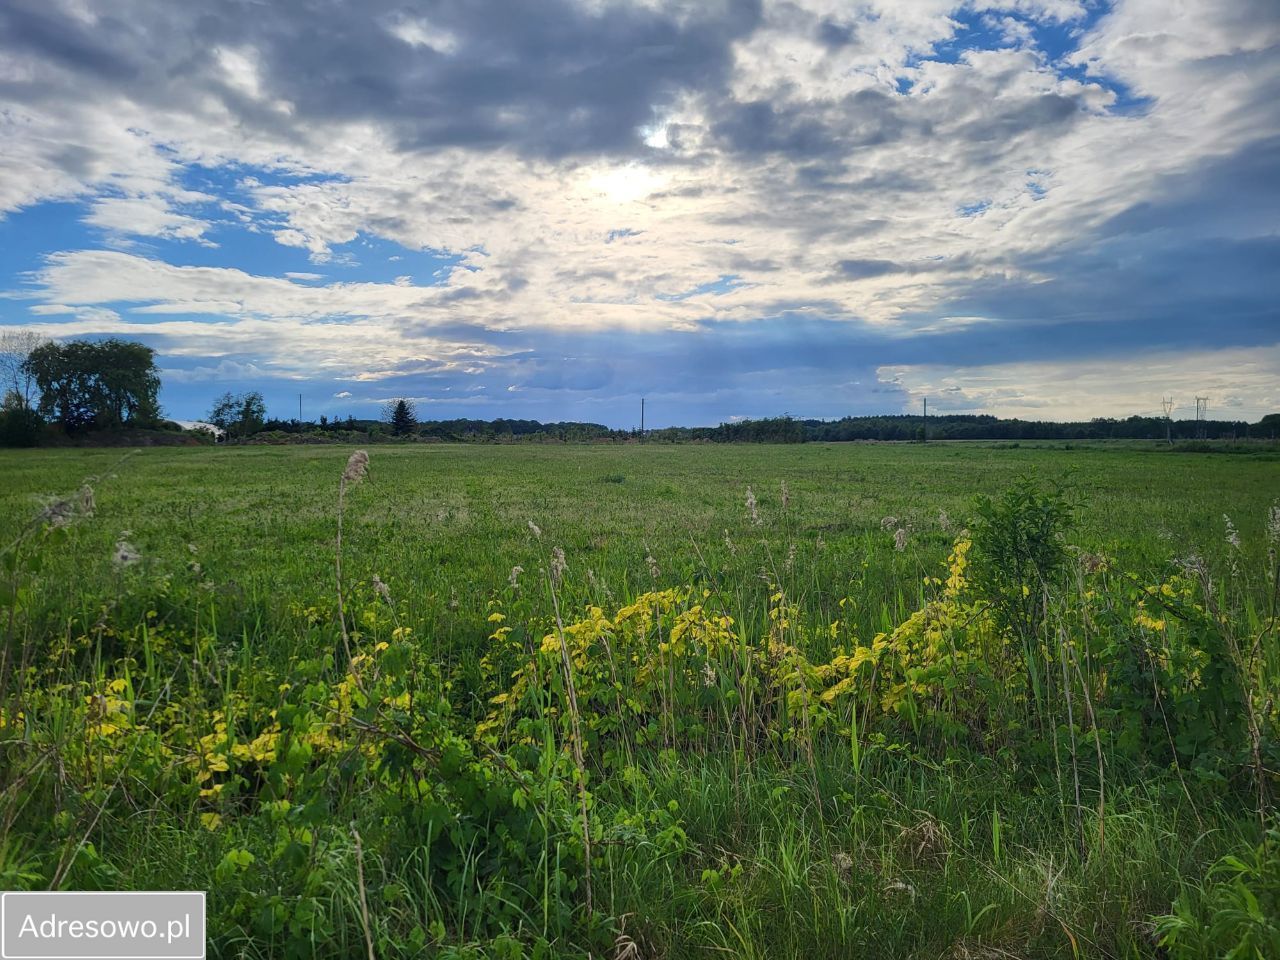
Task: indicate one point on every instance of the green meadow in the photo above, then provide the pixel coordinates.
(645, 701)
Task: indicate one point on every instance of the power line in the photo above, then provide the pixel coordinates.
(1202, 411)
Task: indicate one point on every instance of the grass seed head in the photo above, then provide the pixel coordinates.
(1192, 564)
(928, 840)
(357, 467)
(1092, 562)
(598, 586)
(126, 554)
(62, 511)
(1232, 535)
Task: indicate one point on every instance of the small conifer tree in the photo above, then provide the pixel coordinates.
(403, 418)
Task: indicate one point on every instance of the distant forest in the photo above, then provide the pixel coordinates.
(793, 430)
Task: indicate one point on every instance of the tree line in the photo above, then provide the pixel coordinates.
(242, 416)
(399, 420)
(985, 427)
(79, 386)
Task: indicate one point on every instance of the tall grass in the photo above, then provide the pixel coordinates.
(731, 712)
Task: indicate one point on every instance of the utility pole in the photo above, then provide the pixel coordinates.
(642, 419)
(1202, 411)
(926, 420)
(1168, 421)
(299, 408)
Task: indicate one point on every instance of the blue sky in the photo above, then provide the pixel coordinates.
(734, 208)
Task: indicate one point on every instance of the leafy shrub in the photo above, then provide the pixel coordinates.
(20, 427)
(1174, 688)
(1235, 914)
(1018, 550)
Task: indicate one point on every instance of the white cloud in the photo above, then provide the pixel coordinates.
(359, 331)
(831, 137)
(543, 262)
(1240, 384)
(215, 373)
(420, 32)
(149, 216)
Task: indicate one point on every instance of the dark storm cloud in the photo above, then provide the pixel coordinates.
(104, 52)
(835, 34)
(1233, 194)
(870, 269)
(801, 130)
(1123, 293)
(548, 79)
(1023, 115)
(1198, 268)
(867, 269)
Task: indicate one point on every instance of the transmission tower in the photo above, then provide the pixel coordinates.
(1167, 402)
(1202, 411)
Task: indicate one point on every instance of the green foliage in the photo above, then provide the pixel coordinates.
(20, 427)
(1175, 685)
(96, 383)
(798, 737)
(1235, 913)
(402, 418)
(769, 430)
(1019, 549)
(240, 414)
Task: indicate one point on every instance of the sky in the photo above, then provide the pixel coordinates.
(1053, 209)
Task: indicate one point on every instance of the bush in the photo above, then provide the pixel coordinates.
(1236, 913)
(1018, 549)
(20, 427)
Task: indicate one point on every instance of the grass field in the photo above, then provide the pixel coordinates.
(591, 700)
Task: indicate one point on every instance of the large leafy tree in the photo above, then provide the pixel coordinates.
(96, 383)
(239, 414)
